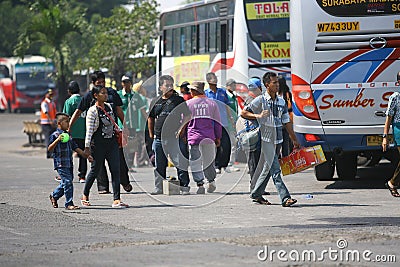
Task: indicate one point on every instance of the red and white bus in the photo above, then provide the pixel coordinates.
(25, 82)
(344, 56)
(235, 39)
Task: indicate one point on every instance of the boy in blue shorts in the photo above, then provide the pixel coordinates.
(62, 147)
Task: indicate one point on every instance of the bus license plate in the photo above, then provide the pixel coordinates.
(376, 140)
(338, 26)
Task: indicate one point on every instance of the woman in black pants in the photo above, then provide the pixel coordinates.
(101, 142)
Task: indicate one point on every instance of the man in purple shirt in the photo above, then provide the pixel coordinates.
(204, 133)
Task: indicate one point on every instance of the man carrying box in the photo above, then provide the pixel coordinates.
(272, 113)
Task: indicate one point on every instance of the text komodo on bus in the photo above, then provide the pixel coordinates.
(25, 81)
(344, 58)
(235, 39)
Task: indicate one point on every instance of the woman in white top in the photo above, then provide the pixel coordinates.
(101, 143)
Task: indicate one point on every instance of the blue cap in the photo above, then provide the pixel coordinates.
(254, 82)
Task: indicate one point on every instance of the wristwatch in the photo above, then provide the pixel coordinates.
(384, 135)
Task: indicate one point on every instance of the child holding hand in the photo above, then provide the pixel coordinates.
(62, 147)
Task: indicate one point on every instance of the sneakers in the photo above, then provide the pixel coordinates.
(201, 190)
(231, 169)
(211, 187)
(218, 171)
(156, 192)
(120, 205)
(185, 190)
(82, 180)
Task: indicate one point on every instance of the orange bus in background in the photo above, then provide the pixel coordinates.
(24, 82)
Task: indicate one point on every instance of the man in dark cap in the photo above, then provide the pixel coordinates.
(185, 91)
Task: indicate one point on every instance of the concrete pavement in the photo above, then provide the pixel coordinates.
(219, 229)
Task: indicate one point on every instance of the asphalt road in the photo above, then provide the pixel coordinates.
(343, 221)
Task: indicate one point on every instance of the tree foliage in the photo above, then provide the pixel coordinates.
(12, 16)
(52, 24)
(123, 40)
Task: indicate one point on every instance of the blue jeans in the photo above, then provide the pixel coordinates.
(179, 154)
(65, 187)
(202, 160)
(105, 151)
(271, 168)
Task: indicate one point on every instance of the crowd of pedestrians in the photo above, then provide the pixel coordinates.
(195, 129)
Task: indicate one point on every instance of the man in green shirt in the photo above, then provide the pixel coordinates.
(133, 106)
(78, 130)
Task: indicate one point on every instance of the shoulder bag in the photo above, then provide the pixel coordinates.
(122, 138)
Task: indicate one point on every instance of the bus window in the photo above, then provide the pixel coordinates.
(194, 41)
(176, 42)
(214, 37)
(168, 43)
(202, 38)
(4, 72)
(230, 35)
(186, 40)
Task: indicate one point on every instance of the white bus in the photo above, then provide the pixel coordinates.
(344, 58)
(235, 39)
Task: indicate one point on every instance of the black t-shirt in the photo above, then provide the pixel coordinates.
(87, 100)
(168, 115)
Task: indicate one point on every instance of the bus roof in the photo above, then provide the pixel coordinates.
(28, 59)
(185, 6)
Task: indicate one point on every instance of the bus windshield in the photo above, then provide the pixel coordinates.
(267, 21)
(268, 27)
(34, 76)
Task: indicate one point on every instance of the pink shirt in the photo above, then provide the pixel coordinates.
(204, 125)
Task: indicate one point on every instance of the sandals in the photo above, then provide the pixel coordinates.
(289, 202)
(392, 190)
(53, 202)
(72, 207)
(261, 201)
(85, 202)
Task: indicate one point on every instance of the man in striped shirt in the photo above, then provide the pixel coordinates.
(271, 112)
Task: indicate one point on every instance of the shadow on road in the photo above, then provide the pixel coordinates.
(367, 178)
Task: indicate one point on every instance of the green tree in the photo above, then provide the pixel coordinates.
(123, 40)
(12, 16)
(51, 25)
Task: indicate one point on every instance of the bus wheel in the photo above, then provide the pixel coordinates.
(325, 171)
(346, 166)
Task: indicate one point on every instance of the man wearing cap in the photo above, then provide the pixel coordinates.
(78, 130)
(185, 91)
(166, 116)
(132, 105)
(48, 118)
(222, 99)
(204, 133)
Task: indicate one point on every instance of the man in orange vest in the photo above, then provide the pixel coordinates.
(48, 118)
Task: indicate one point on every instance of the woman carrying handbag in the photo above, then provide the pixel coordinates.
(101, 143)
